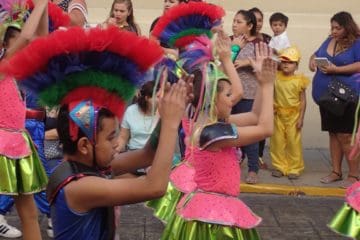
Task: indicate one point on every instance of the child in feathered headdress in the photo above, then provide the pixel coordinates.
(209, 177)
(92, 74)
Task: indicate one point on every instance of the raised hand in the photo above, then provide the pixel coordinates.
(223, 46)
(240, 41)
(262, 52)
(188, 79)
(172, 104)
(268, 70)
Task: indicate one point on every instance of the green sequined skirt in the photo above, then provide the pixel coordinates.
(165, 207)
(346, 222)
(22, 176)
(180, 229)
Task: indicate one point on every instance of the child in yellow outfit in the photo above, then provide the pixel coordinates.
(289, 109)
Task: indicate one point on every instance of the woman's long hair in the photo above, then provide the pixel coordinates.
(352, 31)
(146, 91)
(130, 19)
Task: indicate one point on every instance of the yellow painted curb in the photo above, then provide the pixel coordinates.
(292, 190)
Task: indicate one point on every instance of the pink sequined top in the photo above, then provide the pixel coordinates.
(212, 184)
(12, 121)
(353, 196)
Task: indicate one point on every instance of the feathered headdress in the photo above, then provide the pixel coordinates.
(14, 13)
(85, 69)
(181, 24)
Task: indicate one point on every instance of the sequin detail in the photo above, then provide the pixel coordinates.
(12, 121)
(353, 196)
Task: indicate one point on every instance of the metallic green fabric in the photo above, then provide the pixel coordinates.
(346, 222)
(180, 229)
(25, 175)
(165, 207)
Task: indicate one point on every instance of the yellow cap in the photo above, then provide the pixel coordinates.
(291, 54)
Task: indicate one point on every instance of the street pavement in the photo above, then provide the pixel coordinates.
(291, 209)
(284, 218)
(317, 165)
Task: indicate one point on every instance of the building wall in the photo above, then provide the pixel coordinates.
(308, 27)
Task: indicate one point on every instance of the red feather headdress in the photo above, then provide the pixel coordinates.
(181, 24)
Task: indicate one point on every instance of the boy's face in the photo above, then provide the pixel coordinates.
(288, 68)
(106, 141)
(278, 27)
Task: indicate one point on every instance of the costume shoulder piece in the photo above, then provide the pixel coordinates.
(66, 172)
(217, 132)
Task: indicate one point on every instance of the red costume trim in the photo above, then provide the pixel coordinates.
(56, 14)
(184, 9)
(99, 96)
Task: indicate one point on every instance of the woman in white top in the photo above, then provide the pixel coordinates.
(139, 120)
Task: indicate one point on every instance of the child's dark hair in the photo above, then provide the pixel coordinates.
(250, 19)
(279, 17)
(145, 91)
(9, 34)
(70, 146)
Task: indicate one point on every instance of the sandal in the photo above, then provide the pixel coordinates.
(277, 173)
(293, 176)
(262, 164)
(251, 178)
(332, 177)
(348, 182)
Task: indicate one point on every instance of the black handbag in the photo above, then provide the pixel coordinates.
(338, 97)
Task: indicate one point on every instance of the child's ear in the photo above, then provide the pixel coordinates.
(83, 145)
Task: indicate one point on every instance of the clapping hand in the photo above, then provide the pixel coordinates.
(223, 46)
(264, 67)
(240, 41)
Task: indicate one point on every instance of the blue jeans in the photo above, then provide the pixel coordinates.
(7, 202)
(252, 150)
